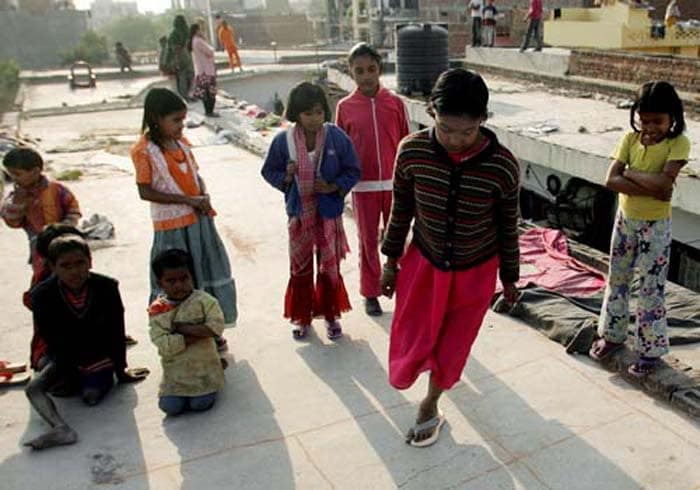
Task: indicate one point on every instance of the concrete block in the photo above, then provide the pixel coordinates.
(551, 61)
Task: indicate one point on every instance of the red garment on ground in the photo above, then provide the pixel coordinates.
(437, 317)
(545, 261)
(371, 210)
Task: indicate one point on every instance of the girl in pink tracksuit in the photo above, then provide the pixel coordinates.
(376, 121)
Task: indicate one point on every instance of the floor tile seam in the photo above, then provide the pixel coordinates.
(503, 465)
(495, 374)
(638, 410)
(313, 463)
(161, 467)
(495, 467)
(382, 411)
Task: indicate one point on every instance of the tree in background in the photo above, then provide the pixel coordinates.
(92, 48)
(137, 32)
(9, 82)
(141, 32)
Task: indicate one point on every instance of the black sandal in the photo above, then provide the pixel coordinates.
(299, 331)
(333, 330)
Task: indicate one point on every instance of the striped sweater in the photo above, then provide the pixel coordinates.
(464, 213)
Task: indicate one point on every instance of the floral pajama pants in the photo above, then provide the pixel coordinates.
(646, 246)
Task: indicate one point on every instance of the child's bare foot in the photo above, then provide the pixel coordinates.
(58, 436)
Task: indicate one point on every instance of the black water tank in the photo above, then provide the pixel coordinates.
(421, 56)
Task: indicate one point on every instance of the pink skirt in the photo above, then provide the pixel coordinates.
(437, 318)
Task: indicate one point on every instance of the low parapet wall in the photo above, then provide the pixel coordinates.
(615, 66)
(572, 161)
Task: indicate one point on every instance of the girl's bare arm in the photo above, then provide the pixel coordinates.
(616, 181)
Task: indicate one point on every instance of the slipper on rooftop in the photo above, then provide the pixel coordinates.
(8, 378)
(435, 424)
(602, 349)
(12, 367)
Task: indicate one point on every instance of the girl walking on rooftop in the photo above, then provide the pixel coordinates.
(459, 187)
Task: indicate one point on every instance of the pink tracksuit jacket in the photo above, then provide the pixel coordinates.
(375, 125)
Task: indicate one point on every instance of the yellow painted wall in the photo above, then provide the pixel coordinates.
(616, 26)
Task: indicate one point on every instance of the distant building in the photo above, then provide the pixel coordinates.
(36, 37)
(102, 11)
(619, 26)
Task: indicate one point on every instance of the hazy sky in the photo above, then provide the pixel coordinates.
(144, 5)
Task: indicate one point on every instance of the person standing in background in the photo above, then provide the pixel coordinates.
(534, 16)
(475, 8)
(228, 41)
(489, 24)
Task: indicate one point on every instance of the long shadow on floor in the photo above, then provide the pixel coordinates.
(352, 370)
(108, 451)
(511, 429)
(237, 444)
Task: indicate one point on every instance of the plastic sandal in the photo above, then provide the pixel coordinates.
(299, 331)
(644, 366)
(8, 378)
(434, 424)
(602, 349)
(333, 330)
(12, 367)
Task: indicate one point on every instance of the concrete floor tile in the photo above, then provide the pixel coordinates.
(496, 347)
(630, 453)
(524, 412)
(370, 452)
(278, 465)
(515, 476)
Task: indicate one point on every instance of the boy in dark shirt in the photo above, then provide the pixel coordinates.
(81, 317)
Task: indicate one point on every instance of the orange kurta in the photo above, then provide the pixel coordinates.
(228, 41)
(184, 176)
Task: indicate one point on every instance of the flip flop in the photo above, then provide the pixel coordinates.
(602, 349)
(8, 378)
(333, 330)
(299, 331)
(435, 423)
(12, 367)
(644, 366)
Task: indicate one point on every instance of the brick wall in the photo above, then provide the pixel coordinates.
(684, 73)
(689, 8)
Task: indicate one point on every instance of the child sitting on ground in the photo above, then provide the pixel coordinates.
(38, 355)
(183, 324)
(34, 203)
(80, 316)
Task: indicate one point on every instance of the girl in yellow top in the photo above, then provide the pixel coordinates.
(645, 165)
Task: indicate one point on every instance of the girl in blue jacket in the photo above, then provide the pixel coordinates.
(314, 164)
